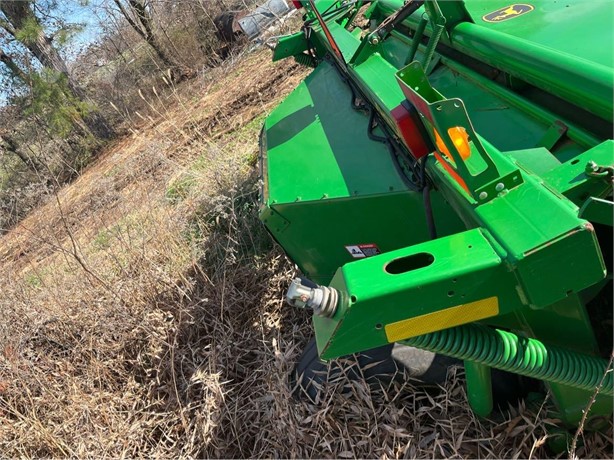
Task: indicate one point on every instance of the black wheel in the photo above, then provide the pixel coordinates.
(378, 364)
(397, 361)
(311, 372)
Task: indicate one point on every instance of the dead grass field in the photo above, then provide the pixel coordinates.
(142, 312)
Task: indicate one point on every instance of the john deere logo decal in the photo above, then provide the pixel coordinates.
(508, 12)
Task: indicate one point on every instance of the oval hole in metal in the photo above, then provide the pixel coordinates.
(409, 263)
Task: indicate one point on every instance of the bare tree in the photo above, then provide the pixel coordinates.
(138, 13)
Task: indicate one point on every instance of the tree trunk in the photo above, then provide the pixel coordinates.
(49, 57)
(10, 146)
(140, 20)
(18, 14)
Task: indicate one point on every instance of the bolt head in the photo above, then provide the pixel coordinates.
(591, 166)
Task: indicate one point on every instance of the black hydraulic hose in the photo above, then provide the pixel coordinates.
(307, 30)
(393, 153)
(371, 127)
(386, 140)
(428, 210)
(426, 199)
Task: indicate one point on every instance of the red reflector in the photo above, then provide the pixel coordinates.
(409, 131)
(297, 4)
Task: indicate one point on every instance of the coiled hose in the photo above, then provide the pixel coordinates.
(306, 60)
(521, 355)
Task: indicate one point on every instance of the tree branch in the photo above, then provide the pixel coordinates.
(8, 61)
(133, 24)
(9, 145)
(8, 27)
(143, 16)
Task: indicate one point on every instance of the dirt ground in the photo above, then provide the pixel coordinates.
(143, 311)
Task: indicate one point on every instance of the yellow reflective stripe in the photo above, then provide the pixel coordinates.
(443, 319)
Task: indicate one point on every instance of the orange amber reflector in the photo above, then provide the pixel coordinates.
(460, 139)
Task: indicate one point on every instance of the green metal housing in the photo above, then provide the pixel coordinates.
(507, 219)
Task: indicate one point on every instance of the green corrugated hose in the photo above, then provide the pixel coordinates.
(304, 59)
(521, 355)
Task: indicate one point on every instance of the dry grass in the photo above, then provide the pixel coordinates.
(143, 314)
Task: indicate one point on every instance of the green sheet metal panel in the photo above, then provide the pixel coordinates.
(580, 73)
(346, 184)
(318, 140)
(347, 42)
(506, 127)
(390, 221)
(463, 268)
(591, 20)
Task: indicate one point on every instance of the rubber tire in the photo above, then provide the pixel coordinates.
(384, 363)
(311, 372)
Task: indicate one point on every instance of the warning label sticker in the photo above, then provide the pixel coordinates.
(360, 251)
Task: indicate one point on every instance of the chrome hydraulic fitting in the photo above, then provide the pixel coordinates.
(322, 299)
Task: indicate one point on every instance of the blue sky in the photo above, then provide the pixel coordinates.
(87, 15)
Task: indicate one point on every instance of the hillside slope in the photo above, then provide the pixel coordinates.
(143, 311)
